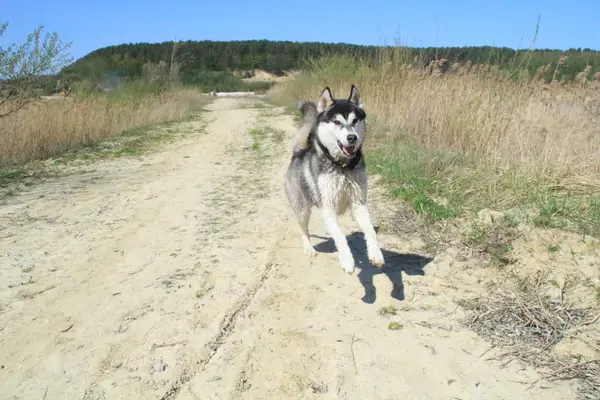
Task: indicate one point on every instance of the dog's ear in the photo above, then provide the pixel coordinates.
(325, 99)
(355, 97)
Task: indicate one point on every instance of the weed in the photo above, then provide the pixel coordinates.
(493, 240)
(553, 248)
(394, 326)
(387, 311)
(511, 220)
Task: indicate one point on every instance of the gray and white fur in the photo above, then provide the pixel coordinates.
(327, 171)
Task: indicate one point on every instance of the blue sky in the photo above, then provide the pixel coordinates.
(94, 24)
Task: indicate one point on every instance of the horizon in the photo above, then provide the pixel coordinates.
(436, 24)
(344, 43)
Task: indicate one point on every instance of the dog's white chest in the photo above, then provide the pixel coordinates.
(345, 199)
(339, 191)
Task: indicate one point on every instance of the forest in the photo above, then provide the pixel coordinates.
(200, 57)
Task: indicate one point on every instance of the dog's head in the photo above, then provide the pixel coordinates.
(341, 123)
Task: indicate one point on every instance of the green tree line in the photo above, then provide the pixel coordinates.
(127, 60)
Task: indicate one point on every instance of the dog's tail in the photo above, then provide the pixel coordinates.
(308, 110)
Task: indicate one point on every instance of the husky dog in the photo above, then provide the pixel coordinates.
(327, 170)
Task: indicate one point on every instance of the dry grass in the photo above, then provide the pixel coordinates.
(484, 112)
(465, 141)
(48, 128)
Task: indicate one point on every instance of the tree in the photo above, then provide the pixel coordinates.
(22, 66)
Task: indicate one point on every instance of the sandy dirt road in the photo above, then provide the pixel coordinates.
(180, 275)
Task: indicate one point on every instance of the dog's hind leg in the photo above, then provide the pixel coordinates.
(301, 208)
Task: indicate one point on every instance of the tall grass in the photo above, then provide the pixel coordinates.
(469, 139)
(48, 127)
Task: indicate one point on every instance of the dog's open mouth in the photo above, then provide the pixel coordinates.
(347, 150)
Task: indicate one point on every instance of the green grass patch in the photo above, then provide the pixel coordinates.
(9, 175)
(395, 326)
(571, 213)
(259, 132)
(125, 151)
(263, 133)
(444, 184)
(424, 204)
(403, 171)
(553, 248)
(387, 311)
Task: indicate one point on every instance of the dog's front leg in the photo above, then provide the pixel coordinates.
(363, 219)
(332, 226)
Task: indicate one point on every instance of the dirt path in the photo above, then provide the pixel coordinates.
(180, 275)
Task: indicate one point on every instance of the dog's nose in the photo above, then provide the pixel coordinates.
(352, 139)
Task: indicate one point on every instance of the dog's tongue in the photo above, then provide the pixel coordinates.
(349, 150)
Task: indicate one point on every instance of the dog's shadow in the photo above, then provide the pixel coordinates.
(395, 265)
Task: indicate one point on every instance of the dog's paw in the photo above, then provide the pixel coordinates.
(347, 263)
(310, 251)
(376, 258)
(348, 268)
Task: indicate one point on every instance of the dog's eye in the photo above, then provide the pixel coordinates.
(336, 122)
(354, 121)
